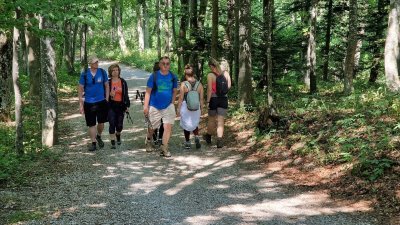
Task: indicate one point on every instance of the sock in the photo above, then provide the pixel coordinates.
(112, 142)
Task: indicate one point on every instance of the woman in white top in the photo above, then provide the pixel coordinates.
(190, 119)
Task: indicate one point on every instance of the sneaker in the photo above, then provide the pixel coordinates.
(207, 138)
(113, 147)
(99, 141)
(197, 141)
(113, 144)
(165, 152)
(92, 147)
(219, 143)
(149, 146)
(118, 139)
(187, 145)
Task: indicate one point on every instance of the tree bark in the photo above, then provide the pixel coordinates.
(327, 46)
(49, 87)
(67, 47)
(19, 147)
(236, 43)
(311, 78)
(214, 33)
(351, 49)
(245, 73)
(173, 19)
(73, 47)
(268, 8)
(183, 56)
(140, 29)
(6, 57)
(33, 49)
(392, 48)
(230, 26)
(158, 31)
(113, 20)
(84, 56)
(121, 37)
(168, 36)
(146, 22)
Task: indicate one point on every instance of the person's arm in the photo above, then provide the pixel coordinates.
(228, 78)
(209, 86)
(146, 101)
(180, 100)
(201, 92)
(107, 88)
(80, 97)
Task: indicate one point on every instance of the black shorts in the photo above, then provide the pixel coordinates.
(218, 106)
(97, 111)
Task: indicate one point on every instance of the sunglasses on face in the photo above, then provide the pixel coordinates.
(165, 63)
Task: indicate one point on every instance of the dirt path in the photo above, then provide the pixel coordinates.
(131, 186)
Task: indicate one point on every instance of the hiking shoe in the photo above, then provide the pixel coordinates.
(113, 144)
(118, 139)
(92, 147)
(197, 141)
(113, 147)
(149, 145)
(99, 141)
(219, 143)
(165, 152)
(187, 145)
(207, 138)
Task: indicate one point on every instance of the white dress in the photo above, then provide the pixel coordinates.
(189, 119)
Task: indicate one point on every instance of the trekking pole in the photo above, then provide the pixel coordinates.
(128, 117)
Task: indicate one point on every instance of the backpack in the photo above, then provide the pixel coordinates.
(154, 89)
(192, 96)
(103, 73)
(222, 85)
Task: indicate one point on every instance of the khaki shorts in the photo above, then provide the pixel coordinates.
(167, 115)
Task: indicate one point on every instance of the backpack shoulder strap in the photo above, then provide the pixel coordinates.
(155, 81)
(187, 84)
(196, 85)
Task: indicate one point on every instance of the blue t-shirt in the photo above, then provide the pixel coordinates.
(162, 98)
(94, 90)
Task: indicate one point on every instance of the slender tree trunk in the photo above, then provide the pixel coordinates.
(328, 40)
(121, 37)
(33, 49)
(49, 87)
(140, 29)
(84, 57)
(73, 48)
(113, 20)
(196, 47)
(19, 147)
(146, 22)
(311, 78)
(167, 31)
(230, 25)
(236, 48)
(351, 49)
(173, 19)
(392, 56)
(158, 31)
(268, 8)
(67, 47)
(183, 56)
(245, 74)
(6, 57)
(201, 35)
(377, 44)
(214, 33)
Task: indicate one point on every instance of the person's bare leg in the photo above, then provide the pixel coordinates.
(165, 139)
(220, 126)
(211, 125)
(92, 133)
(100, 128)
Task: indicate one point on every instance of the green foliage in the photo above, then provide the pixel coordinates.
(21, 216)
(373, 168)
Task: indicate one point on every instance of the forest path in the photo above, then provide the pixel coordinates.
(130, 186)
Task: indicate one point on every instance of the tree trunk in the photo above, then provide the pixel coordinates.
(351, 49)
(328, 40)
(197, 45)
(245, 93)
(201, 35)
(67, 47)
(33, 48)
(113, 20)
(49, 87)
(146, 23)
(6, 57)
(158, 31)
(392, 48)
(140, 29)
(311, 78)
(268, 8)
(84, 57)
(167, 31)
(121, 37)
(19, 147)
(183, 56)
(73, 47)
(174, 38)
(236, 44)
(377, 44)
(214, 33)
(230, 25)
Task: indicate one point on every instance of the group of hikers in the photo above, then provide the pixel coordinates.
(104, 98)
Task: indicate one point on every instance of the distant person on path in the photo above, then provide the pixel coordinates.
(159, 103)
(118, 103)
(190, 112)
(218, 84)
(93, 84)
(158, 133)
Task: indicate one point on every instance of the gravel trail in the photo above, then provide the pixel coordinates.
(130, 186)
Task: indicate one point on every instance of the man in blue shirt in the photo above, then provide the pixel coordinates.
(159, 103)
(94, 84)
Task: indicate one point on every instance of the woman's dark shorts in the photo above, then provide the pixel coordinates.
(218, 106)
(95, 112)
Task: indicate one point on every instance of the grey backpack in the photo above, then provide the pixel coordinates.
(192, 97)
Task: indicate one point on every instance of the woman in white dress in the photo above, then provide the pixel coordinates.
(190, 119)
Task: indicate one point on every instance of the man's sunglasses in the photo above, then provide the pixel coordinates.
(165, 64)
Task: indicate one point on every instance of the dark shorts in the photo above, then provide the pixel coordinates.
(218, 106)
(95, 112)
